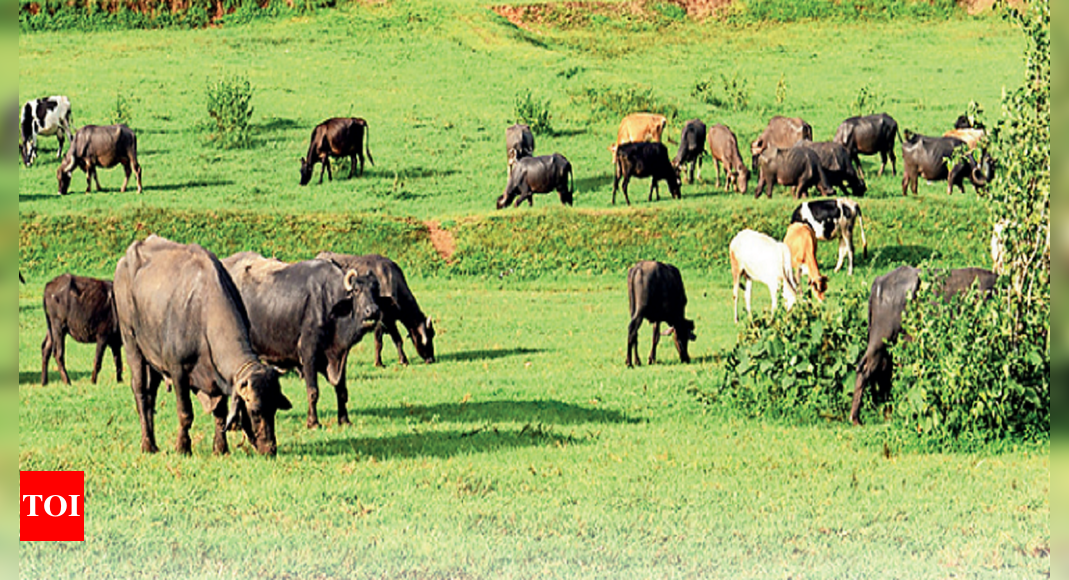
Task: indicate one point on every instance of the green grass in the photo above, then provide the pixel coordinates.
(527, 450)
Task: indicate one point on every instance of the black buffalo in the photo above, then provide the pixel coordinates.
(797, 166)
(94, 146)
(543, 174)
(655, 292)
(181, 317)
(337, 137)
(869, 135)
(644, 160)
(887, 300)
(927, 157)
(306, 316)
(519, 143)
(84, 308)
(691, 149)
(396, 303)
(838, 168)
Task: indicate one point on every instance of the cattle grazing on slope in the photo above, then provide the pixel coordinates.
(543, 174)
(756, 256)
(645, 160)
(838, 169)
(396, 303)
(655, 292)
(337, 137)
(869, 135)
(181, 317)
(84, 308)
(639, 128)
(691, 149)
(887, 301)
(834, 219)
(803, 245)
(927, 157)
(306, 316)
(781, 132)
(48, 116)
(971, 137)
(724, 149)
(519, 143)
(797, 167)
(95, 146)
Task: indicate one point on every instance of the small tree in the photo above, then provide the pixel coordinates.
(229, 103)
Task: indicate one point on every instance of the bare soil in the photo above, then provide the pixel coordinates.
(442, 240)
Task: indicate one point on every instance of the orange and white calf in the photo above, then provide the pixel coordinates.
(803, 245)
(756, 256)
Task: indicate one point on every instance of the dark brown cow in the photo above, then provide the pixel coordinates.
(84, 308)
(782, 132)
(519, 143)
(691, 149)
(724, 149)
(838, 168)
(655, 292)
(337, 137)
(798, 166)
(869, 135)
(181, 317)
(95, 146)
(644, 160)
(927, 157)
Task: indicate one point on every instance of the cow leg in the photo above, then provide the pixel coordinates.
(379, 330)
(219, 413)
(856, 160)
(716, 173)
(360, 156)
(352, 166)
(653, 347)
(391, 328)
(184, 408)
(59, 350)
(342, 393)
(144, 396)
(116, 354)
(748, 292)
(855, 405)
(653, 187)
(126, 180)
(311, 383)
(883, 163)
(627, 179)
(772, 289)
(98, 358)
(632, 340)
(59, 137)
(46, 353)
(891, 154)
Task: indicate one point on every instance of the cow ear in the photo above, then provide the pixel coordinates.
(282, 403)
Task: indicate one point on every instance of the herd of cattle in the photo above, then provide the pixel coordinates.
(224, 329)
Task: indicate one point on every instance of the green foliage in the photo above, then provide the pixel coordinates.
(965, 379)
(781, 89)
(122, 113)
(734, 92)
(669, 11)
(229, 103)
(88, 15)
(618, 102)
(534, 113)
(795, 364)
(868, 101)
(756, 11)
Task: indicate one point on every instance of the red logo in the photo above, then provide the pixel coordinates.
(52, 506)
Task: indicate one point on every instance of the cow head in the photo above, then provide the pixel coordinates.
(362, 293)
(255, 399)
(819, 287)
(63, 175)
(29, 152)
(306, 170)
(423, 340)
(684, 334)
(504, 201)
(742, 179)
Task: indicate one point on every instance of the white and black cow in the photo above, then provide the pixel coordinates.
(834, 219)
(49, 116)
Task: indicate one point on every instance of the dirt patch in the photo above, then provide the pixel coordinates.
(442, 240)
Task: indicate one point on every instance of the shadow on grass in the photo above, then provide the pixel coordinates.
(488, 354)
(435, 443)
(423, 173)
(34, 377)
(42, 197)
(276, 124)
(189, 185)
(593, 182)
(541, 412)
(888, 255)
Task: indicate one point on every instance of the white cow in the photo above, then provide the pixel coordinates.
(51, 116)
(756, 256)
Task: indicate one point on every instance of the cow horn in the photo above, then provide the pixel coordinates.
(430, 324)
(350, 276)
(236, 403)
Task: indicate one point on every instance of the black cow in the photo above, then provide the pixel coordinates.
(181, 317)
(645, 160)
(838, 168)
(543, 174)
(927, 157)
(691, 149)
(655, 292)
(831, 219)
(798, 166)
(94, 146)
(306, 316)
(869, 135)
(887, 300)
(396, 303)
(336, 137)
(48, 116)
(519, 143)
(85, 309)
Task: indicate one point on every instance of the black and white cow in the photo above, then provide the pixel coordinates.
(834, 219)
(49, 116)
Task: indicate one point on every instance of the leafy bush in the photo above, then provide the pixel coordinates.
(796, 364)
(122, 112)
(90, 15)
(734, 94)
(801, 10)
(618, 102)
(534, 113)
(781, 89)
(867, 102)
(230, 109)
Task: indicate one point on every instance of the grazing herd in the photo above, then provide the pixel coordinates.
(224, 330)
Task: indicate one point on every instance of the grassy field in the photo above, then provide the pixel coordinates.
(527, 450)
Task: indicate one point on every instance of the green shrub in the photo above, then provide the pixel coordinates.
(867, 102)
(734, 93)
(756, 11)
(121, 113)
(618, 102)
(229, 103)
(534, 113)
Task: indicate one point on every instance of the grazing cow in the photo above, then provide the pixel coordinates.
(756, 256)
(802, 242)
(541, 174)
(838, 168)
(971, 137)
(396, 303)
(797, 166)
(869, 135)
(724, 149)
(834, 219)
(181, 317)
(85, 309)
(94, 146)
(781, 132)
(639, 128)
(49, 116)
(655, 292)
(336, 137)
(887, 301)
(927, 157)
(691, 149)
(306, 316)
(645, 160)
(519, 143)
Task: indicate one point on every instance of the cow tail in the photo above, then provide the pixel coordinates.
(861, 226)
(367, 143)
(571, 181)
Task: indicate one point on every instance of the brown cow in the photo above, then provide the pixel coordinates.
(95, 146)
(337, 137)
(782, 132)
(639, 127)
(803, 244)
(85, 309)
(724, 149)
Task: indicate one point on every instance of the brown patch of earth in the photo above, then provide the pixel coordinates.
(442, 240)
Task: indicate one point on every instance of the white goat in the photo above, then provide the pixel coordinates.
(757, 256)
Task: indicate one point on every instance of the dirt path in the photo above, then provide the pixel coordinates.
(442, 240)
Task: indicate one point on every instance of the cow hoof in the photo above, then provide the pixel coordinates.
(344, 421)
(313, 424)
(149, 447)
